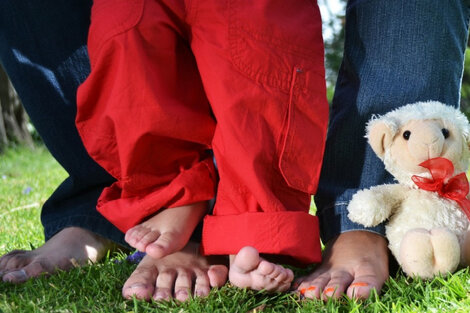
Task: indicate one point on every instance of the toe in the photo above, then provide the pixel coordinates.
(16, 276)
(282, 276)
(312, 286)
(164, 285)
(284, 287)
(183, 284)
(359, 289)
(141, 283)
(217, 275)
(15, 260)
(246, 260)
(166, 244)
(135, 234)
(337, 285)
(362, 285)
(310, 291)
(269, 269)
(22, 274)
(7, 257)
(286, 276)
(202, 284)
(146, 240)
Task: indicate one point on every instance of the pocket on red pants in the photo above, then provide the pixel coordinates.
(278, 44)
(304, 132)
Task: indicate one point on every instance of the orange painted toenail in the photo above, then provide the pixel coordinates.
(360, 284)
(328, 290)
(304, 290)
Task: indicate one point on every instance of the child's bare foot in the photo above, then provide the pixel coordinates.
(354, 263)
(177, 275)
(249, 270)
(168, 231)
(70, 247)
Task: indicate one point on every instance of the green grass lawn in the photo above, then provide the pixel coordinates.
(28, 177)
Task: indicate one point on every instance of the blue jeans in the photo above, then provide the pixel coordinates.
(43, 49)
(396, 52)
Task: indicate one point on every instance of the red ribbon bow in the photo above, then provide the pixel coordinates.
(454, 188)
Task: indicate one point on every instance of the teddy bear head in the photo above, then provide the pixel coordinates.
(416, 132)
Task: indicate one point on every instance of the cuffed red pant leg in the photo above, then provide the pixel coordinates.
(142, 113)
(261, 64)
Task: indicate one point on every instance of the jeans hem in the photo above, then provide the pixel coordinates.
(90, 223)
(334, 221)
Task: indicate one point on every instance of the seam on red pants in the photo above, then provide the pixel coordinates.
(102, 38)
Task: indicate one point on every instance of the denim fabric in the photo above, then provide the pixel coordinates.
(396, 52)
(43, 49)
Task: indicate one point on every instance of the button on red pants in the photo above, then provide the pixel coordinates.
(173, 79)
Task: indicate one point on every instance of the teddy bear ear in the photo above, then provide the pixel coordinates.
(380, 135)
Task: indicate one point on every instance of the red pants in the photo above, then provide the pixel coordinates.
(173, 79)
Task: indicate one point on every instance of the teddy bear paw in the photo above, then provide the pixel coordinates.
(365, 209)
(427, 253)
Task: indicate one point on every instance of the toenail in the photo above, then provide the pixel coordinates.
(137, 285)
(200, 293)
(328, 290)
(304, 290)
(360, 284)
(162, 295)
(181, 293)
(16, 275)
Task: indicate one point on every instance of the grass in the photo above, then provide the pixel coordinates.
(27, 178)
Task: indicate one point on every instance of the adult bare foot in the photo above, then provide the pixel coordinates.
(70, 247)
(168, 231)
(354, 263)
(249, 270)
(178, 275)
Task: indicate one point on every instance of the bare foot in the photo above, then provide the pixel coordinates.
(168, 231)
(68, 248)
(178, 275)
(354, 263)
(249, 270)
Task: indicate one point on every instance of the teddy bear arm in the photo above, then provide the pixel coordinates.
(373, 206)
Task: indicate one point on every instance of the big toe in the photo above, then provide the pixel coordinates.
(141, 283)
(140, 236)
(363, 284)
(15, 260)
(246, 260)
(166, 244)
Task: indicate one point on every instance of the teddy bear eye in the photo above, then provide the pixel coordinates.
(445, 132)
(406, 134)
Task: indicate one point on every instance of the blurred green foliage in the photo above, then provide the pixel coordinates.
(465, 91)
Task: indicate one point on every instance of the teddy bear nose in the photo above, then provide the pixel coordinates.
(433, 147)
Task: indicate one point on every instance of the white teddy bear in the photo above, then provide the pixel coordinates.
(425, 144)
